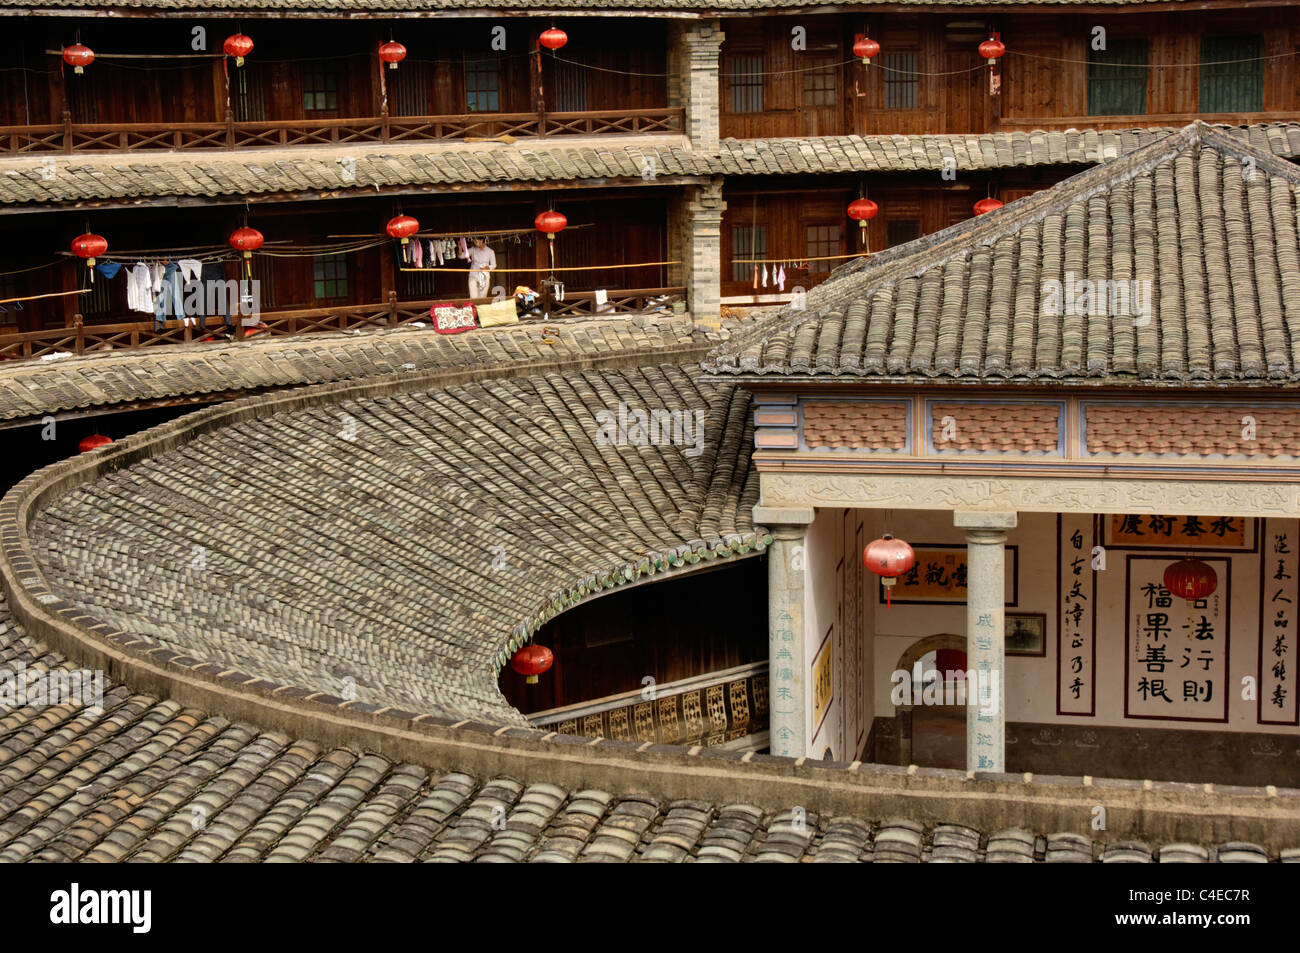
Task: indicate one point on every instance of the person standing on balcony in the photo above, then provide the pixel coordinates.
(482, 261)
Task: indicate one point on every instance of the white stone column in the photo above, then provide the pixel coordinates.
(986, 537)
(787, 674)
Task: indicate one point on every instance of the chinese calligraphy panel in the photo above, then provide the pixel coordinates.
(1181, 532)
(1076, 629)
(939, 577)
(1278, 597)
(1176, 655)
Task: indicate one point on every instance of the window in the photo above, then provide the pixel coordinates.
(1117, 79)
(1232, 74)
(320, 90)
(899, 231)
(819, 85)
(824, 241)
(482, 85)
(901, 80)
(747, 242)
(331, 274)
(746, 78)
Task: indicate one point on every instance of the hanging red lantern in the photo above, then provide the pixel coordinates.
(866, 48)
(1190, 579)
(78, 57)
(403, 227)
(551, 223)
(392, 53)
(863, 209)
(238, 46)
(89, 247)
(888, 558)
(992, 49)
(531, 661)
(986, 205)
(553, 39)
(93, 442)
(247, 240)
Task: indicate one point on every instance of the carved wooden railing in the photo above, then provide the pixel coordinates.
(69, 137)
(88, 338)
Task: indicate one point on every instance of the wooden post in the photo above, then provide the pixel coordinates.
(230, 128)
(67, 132)
(81, 333)
(392, 309)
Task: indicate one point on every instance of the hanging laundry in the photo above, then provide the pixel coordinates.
(600, 300)
(416, 252)
(464, 248)
(139, 288)
(765, 275)
(169, 300)
(108, 269)
(216, 300)
(191, 268)
(780, 278)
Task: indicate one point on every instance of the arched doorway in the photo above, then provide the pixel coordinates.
(928, 734)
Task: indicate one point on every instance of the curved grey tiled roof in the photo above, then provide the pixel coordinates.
(405, 542)
(30, 389)
(568, 7)
(147, 779)
(309, 169)
(1209, 225)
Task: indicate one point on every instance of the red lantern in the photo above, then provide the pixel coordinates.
(247, 240)
(1190, 579)
(238, 46)
(888, 558)
(403, 227)
(991, 49)
(863, 209)
(866, 48)
(93, 442)
(392, 53)
(553, 39)
(550, 223)
(78, 57)
(89, 247)
(531, 661)
(986, 205)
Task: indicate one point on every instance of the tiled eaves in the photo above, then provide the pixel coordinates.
(353, 8)
(31, 389)
(280, 174)
(266, 795)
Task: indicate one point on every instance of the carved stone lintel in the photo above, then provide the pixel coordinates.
(1038, 494)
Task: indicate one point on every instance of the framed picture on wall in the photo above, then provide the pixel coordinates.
(1026, 633)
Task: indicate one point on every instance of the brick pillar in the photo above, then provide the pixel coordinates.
(789, 655)
(696, 231)
(693, 70)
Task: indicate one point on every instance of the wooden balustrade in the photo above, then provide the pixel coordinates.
(69, 137)
(91, 338)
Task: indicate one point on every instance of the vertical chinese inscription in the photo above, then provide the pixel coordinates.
(1076, 634)
(1277, 623)
(1177, 651)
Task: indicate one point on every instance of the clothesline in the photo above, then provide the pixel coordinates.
(467, 232)
(52, 294)
(778, 261)
(639, 264)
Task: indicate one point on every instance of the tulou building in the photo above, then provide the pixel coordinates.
(685, 431)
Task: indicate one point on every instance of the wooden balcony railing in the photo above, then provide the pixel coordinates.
(69, 137)
(89, 338)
